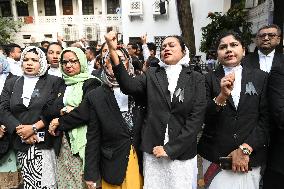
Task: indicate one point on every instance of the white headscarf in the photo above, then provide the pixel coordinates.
(173, 71)
(184, 61)
(42, 59)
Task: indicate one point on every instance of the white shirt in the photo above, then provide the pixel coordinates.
(265, 61)
(121, 99)
(173, 72)
(237, 83)
(2, 81)
(55, 72)
(91, 65)
(28, 89)
(15, 67)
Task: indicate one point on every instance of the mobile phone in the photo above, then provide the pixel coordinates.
(226, 163)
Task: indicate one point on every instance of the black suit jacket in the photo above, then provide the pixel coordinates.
(5, 141)
(183, 117)
(14, 112)
(276, 107)
(252, 60)
(229, 127)
(55, 104)
(108, 136)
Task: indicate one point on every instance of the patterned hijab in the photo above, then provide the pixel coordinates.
(42, 59)
(111, 80)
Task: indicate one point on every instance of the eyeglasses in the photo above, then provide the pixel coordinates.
(270, 35)
(72, 62)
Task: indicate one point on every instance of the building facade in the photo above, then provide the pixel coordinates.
(260, 13)
(74, 19)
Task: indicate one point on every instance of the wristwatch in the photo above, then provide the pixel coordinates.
(64, 110)
(34, 128)
(245, 150)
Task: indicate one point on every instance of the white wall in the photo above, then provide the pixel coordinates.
(159, 27)
(164, 27)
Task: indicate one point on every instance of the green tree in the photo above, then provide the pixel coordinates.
(235, 19)
(8, 28)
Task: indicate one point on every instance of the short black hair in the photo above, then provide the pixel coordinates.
(236, 35)
(54, 43)
(270, 26)
(101, 49)
(152, 47)
(92, 50)
(133, 45)
(10, 48)
(43, 42)
(180, 40)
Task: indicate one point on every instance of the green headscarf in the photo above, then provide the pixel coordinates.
(74, 97)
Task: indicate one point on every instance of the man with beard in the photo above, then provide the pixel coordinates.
(13, 52)
(267, 39)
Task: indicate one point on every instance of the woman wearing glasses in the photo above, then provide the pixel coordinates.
(113, 132)
(23, 101)
(70, 145)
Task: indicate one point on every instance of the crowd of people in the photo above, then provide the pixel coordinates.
(118, 117)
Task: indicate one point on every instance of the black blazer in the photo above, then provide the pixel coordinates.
(56, 104)
(14, 112)
(183, 117)
(251, 60)
(5, 141)
(228, 128)
(276, 107)
(108, 136)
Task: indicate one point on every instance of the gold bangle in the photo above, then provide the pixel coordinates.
(219, 104)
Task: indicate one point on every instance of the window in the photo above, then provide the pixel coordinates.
(67, 7)
(49, 6)
(48, 35)
(26, 36)
(234, 2)
(260, 1)
(22, 9)
(112, 6)
(88, 7)
(5, 8)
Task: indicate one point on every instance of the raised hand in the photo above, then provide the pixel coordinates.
(111, 40)
(144, 39)
(227, 84)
